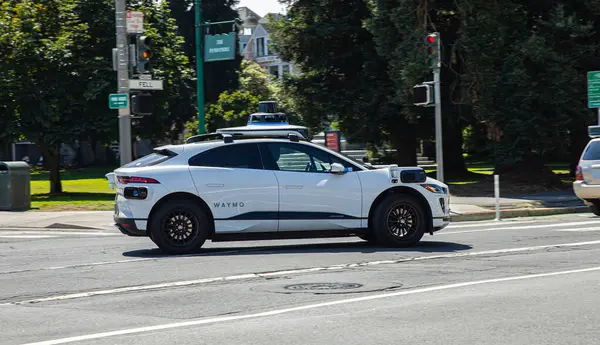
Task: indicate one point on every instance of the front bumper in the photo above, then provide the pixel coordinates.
(586, 192)
(441, 223)
(128, 227)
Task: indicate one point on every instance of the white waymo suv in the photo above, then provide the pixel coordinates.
(226, 187)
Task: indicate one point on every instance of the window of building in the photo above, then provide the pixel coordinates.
(286, 69)
(241, 156)
(260, 46)
(274, 71)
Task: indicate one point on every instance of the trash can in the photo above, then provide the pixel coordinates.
(15, 186)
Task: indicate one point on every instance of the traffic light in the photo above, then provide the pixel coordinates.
(432, 41)
(144, 53)
(141, 104)
(423, 95)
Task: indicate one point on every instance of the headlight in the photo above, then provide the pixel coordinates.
(434, 188)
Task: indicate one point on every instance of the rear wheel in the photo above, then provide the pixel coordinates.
(399, 221)
(179, 227)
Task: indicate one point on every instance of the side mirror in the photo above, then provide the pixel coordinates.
(365, 159)
(337, 168)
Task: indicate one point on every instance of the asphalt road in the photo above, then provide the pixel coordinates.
(524, 281)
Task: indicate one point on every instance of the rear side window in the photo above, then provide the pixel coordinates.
(592, 153)
(241, 156)
(149, 160)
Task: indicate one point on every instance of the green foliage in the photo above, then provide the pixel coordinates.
(218, 76)
(233, 107)
(175, 105)
(343, 77)
(525, 76)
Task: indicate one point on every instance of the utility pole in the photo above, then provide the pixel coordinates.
(123, 81)
(199, 67)
(439, 152)
(424, 96)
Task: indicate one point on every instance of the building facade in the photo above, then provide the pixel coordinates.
(255, 43)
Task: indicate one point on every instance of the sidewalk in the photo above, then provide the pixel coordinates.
(83, 220)
(462, 209)
(512, 206)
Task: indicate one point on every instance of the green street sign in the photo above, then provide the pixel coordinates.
(593, 83)
(219, 47)
(118, 101)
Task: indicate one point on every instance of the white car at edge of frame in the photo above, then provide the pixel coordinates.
(228, 187)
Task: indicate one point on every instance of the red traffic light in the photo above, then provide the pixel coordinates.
(430, 39)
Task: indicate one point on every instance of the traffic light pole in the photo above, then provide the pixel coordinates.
(439, 152)
(123, 81)
(199, 67)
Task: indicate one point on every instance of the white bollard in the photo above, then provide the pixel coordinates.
(497, 194)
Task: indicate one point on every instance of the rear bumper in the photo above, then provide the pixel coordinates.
(586, 192)
(128, 227)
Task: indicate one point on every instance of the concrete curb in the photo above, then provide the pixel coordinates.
(516, 213)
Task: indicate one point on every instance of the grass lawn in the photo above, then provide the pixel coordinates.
(480, 181)
(83, 190)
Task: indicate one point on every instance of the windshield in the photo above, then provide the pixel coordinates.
(359, 162)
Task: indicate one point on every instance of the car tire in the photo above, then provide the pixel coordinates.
(399, 221)
(595, 207)
(179, 227)
(369, 237)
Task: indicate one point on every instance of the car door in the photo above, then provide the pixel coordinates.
(310, 196)
(242, 196)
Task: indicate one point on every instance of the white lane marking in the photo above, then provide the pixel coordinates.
(579, 230)
(27, 236)
(58, 233)
(495, 223)
(199, 322)
(102, 263)
(289, 272)
(523, 227)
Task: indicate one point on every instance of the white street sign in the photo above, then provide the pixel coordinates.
(141, 84)
(135, 22)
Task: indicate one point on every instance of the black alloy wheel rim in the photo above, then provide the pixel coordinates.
(402, 221)
(180, 227)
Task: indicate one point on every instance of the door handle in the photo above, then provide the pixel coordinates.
(293, 186)
(215, 185)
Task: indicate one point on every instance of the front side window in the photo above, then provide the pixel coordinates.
(241, 156)
(301, 158)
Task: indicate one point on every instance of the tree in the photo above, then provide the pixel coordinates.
(40, 39)
(343, 77)
(174, 105)
(218, 76)
(525, 81)
(233, 107)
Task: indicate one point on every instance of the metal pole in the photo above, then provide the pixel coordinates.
(439, 153)
(497, 195)
(598, 116)
(123, 81)
(199, 67)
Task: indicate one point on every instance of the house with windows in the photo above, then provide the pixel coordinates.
(254, 43)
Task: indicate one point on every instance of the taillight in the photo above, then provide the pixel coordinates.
(579, 174)
(135, 179)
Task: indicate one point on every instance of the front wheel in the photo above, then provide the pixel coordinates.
(179, 227)
(595, 207)
(399, 221)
